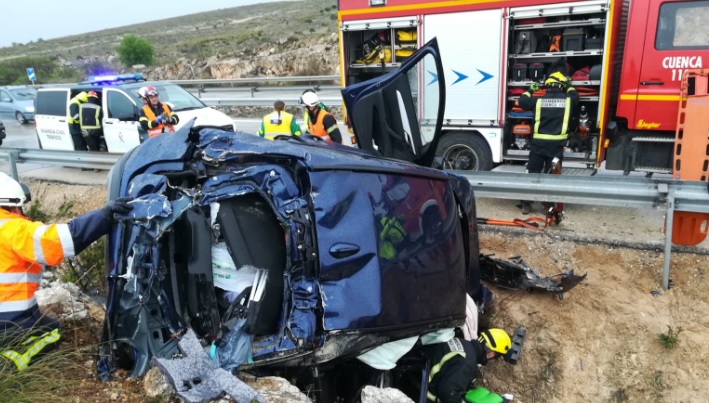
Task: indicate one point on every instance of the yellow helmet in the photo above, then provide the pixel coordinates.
(496, 340)
(556, 79)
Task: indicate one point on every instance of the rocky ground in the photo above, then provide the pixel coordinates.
(600, 343)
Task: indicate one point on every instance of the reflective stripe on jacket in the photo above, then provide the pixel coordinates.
(278, 122)
(552, 113)
(72, 110)
(150, 117)
(318, 129)
(455, 348)
(25, 248)
(89, 116)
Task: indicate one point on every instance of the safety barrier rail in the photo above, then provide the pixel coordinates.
(672, 195)
(634, 192)
(256, 91)
(76, 159)
(267, 101)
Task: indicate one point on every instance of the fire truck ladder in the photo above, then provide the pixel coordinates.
(691, 156)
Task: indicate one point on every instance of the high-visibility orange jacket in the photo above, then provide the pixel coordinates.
(325, 127)
(26, 247)
(148, 115)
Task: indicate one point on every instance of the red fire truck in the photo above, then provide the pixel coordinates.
(625, 58)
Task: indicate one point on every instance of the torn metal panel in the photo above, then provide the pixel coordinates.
(516, 274)
(196, 378)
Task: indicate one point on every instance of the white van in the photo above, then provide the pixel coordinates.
(121, 110)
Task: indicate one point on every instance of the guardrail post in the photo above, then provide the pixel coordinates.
(14, 156)
(668, 240)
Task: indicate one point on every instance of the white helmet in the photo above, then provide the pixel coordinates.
(310, 99)
(143, 92)
(11, 192)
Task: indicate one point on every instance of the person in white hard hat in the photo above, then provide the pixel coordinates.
(320, 123)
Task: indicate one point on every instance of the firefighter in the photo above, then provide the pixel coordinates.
(25, 248)
(552, 116)
(278, 122)
(454, 363)
(90, 115)
(155, 116)
(321, 123)
(73, 110)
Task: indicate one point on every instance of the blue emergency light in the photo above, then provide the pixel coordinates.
(115, 78)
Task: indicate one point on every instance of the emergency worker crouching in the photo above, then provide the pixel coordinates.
(279, 122)
(155, 116)
(454, 365)
(25, 248)
(321, 123)
(552, 116)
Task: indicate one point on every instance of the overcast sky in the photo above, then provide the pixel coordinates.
(47, 19)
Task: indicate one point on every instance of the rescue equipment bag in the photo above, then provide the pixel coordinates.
(406, 36)
(582, 74)
(402, 54)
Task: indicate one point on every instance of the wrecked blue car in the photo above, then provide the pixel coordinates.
(293, 253)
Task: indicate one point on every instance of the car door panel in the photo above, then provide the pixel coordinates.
(387, 112)
(121, 129)
(403, 235)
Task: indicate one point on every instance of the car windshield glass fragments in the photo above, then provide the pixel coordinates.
(23, 94)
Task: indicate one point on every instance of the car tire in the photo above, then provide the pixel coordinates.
(20, 118)
(465, 151)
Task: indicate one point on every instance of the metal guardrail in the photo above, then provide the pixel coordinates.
(633, 192)
(287, 79)
(266, 101)
(245, 94)
(76, 159)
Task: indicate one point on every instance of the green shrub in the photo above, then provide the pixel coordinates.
(671, 338)
(134, 50)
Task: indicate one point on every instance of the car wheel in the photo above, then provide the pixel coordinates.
(464, 151)
(20, 118)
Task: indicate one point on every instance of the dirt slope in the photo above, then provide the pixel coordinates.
(600, 344)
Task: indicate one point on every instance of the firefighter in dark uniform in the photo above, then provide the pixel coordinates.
(73, 119)
(552, 116)
(90, 115)
(454, 364)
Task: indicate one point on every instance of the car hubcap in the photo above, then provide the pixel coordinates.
(460, 157)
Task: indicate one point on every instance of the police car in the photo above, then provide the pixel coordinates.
(121, 105)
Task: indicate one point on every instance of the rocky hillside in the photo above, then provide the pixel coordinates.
(270, 39)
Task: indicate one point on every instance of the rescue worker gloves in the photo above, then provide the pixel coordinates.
(11, 192)
(496, 340)
(117, 206)
(534, 87)
(159, 119)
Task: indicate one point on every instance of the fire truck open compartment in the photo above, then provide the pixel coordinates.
(544, 39)
(377, 47)
(625, 58)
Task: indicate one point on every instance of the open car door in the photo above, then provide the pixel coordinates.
(399, 114)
